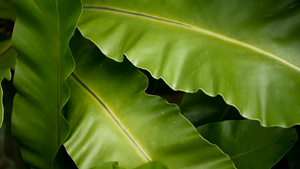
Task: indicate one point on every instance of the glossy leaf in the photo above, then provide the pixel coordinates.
(200, 109)
(112, 119)
(41, 36)
(7, 62)
(248, 144)
(248, 51)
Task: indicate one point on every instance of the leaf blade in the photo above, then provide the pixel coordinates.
(211, 60)
(7, 63)
(41, 36)
(248, 151)
(144, 123)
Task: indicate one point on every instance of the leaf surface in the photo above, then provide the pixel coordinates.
(7, 62)
(114, 165)
(152, 165)
(7, 10)
(248, 144)
(108, 165)
(247, 51)
(41, 36)
(112, 119)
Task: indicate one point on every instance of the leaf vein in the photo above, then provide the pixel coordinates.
(112, 115)
(201, 30)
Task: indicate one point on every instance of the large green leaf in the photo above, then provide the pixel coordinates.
(41, 36)
(248, 51)
(248, 144)
(112, 119)
(7, 62)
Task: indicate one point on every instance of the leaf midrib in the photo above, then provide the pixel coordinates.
(200, 30)
(93, 94)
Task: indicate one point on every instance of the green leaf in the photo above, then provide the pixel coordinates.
(41, 36)
(7, 62)
(114, 165)
(152, 165)
(108, 165)
(247, 51)
(200, 109)
(7, 10)
(248, 144)
(112, 119)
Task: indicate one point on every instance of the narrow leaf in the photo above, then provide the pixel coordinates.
(248, 144)
(41, 36)
(112, 119)
(247, 51)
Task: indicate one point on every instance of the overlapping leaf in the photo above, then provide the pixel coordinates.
(41, 36)
(248, 144)
(7, 62)
(248, 51)
(112, 119)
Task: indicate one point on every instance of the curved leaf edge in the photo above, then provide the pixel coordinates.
(204, 91)
(69, 74)
(177, 107)
(183, 90)
(244, 114)
(61, 111)
(275, 162)
(64, 102)
(187, 91)
(8, 77)
(144, 91)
